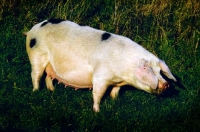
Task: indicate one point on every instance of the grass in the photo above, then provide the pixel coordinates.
(169, 29)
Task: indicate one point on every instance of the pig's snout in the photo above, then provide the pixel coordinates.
(165, 85)
(161, 87)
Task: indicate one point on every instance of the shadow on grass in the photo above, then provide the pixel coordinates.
(171, 91)
(179, 83)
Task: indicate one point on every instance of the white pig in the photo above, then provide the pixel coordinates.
(84, 57)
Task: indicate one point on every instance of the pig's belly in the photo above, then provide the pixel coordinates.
(76, 78)
(70, 75)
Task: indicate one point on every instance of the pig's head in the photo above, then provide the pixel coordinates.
(149, 78)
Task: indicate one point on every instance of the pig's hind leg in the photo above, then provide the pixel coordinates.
(49, 83)
(115, 91)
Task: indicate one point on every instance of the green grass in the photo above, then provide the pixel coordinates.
(169, 29)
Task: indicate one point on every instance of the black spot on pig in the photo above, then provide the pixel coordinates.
(105, 36)
(82, 25)
(55, 21)
(52, 21)
(44, 23)
(32, 42)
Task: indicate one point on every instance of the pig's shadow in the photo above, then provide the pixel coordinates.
(171, 91)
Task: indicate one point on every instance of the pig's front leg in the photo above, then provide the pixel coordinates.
(36, 75)
(100, 85)
(98, 92)
(38, 64)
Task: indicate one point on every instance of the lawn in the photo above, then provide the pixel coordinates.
(167, 28)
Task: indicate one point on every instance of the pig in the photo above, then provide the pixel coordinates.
(84, 57)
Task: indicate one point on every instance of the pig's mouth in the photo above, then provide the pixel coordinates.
(161, 88)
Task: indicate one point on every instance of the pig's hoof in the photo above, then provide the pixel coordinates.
(113, 95)
(51, 89)
(96, 109)
(35, 89)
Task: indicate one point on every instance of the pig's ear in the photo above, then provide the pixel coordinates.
(165, 70)
(25, 33)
